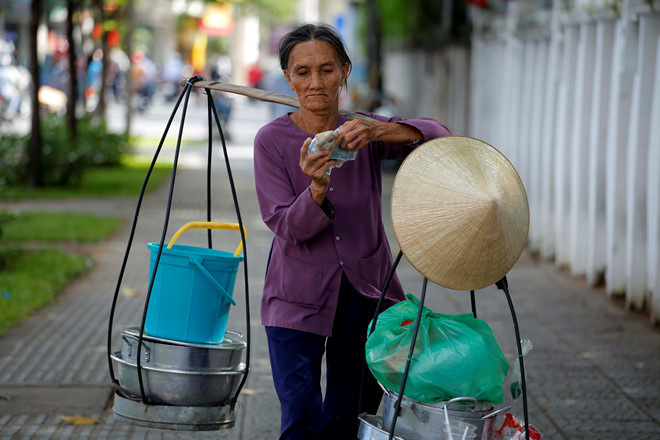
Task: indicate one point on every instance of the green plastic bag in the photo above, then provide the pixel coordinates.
(455, 355)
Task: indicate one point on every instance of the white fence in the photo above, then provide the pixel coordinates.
(572, 97)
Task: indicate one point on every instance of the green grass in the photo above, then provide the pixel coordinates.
(35, 226)
(100, 182)
(31, 280)
(32, 275)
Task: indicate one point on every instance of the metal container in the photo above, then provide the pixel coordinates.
(179, 418)
(371, 428)
(184, 356)
(168, 386)
(422, 421)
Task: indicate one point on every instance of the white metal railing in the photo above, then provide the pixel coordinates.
(572, 97)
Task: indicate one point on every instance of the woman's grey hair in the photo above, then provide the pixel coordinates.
(318, 32)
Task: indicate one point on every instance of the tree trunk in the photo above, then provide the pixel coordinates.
(374, 56)
(73, 74)
(100, 107)
(35, 166)
(130, 26)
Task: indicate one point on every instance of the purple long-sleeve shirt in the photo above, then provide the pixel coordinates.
(311, 249)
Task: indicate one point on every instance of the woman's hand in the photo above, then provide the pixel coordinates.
(358, 133)
(315, 166)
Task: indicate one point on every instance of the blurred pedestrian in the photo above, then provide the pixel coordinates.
(15, 84)
(94, 70)
(118, 69)
(255, 77)
(221, 100)
(330, 256)
(172, 74)
(274, 81)
(144, 75)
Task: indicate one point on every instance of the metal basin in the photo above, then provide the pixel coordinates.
(176, 355)
(168, 386)
(180, 418)
(371, 428)
(424, 421)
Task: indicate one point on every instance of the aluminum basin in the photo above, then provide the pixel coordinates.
(179, 418)
(176, 355)
(426, 421)
(371, 428)
(168, 386)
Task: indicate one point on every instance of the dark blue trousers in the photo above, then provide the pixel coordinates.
(295, 358)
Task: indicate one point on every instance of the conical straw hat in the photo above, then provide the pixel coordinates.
(460, 212)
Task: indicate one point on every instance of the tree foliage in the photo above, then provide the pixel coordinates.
(270, 9)
(424, 23)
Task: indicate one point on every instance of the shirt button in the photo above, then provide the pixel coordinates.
(341, 263)
(337, 238)
(331, 189)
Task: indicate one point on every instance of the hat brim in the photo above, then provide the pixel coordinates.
(460, 212)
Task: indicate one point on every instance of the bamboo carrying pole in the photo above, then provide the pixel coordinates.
(263, 95)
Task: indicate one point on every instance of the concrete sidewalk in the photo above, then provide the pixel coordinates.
(594, 371)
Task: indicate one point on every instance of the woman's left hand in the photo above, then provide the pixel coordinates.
(357, 133)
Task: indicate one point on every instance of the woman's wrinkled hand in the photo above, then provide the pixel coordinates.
(357, 133)
(316, 164)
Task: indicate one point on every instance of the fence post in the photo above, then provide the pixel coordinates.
(579, 154)
(595, 269)
(638, 142)
(653, 213)
(539, 83)
(548, 160)
(566, 116)
(623, 67)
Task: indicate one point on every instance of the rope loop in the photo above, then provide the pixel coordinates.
(194, 79)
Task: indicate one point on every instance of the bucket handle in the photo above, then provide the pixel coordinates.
(197, 262)
(208, 225)
(496, 413)
(472, 401)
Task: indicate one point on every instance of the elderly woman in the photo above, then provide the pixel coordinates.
(330, 255)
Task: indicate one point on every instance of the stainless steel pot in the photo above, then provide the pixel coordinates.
(176, 355)
(169, 386)
(371, 428)
(427, 420)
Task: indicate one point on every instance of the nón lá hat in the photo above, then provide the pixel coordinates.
(460, 212)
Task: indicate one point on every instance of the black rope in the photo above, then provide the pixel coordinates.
(473, 301)
(245, 260)
(404, 379)
(185, 92)
(209, 158)
(162, 241)
(386, 286)
(130, 241)
(504, 285)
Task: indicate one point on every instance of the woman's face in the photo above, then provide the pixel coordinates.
(315, 73)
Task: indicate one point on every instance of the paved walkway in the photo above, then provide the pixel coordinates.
(594, 371)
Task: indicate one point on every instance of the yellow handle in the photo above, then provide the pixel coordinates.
(208, 225)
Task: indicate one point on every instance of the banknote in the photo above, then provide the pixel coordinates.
(331, 140)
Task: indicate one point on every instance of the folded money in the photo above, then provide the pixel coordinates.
(331, 140)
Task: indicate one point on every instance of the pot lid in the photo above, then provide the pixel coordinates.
(460, 212)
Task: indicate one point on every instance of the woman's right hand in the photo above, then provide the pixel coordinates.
(315, 166)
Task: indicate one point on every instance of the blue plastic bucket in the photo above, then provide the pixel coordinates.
(192, 293)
